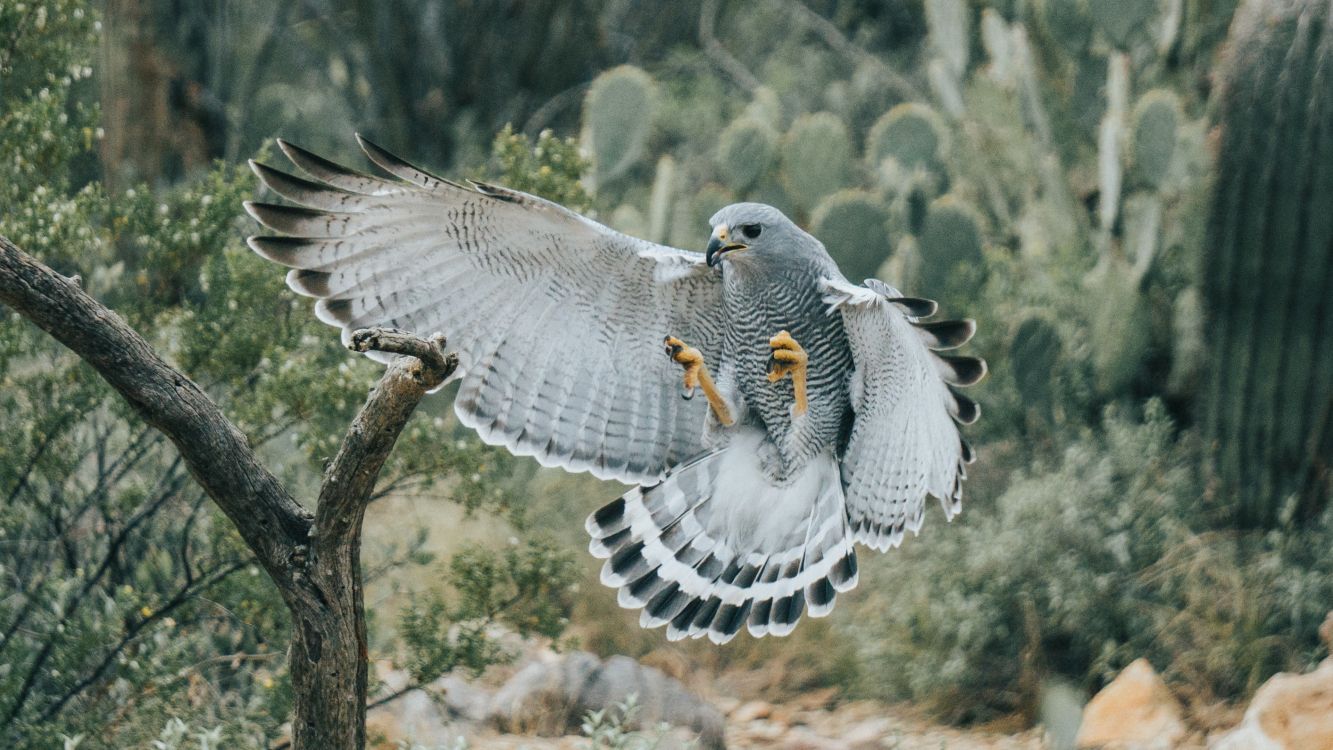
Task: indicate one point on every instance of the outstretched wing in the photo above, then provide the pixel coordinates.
(557, 320)
(904, 441)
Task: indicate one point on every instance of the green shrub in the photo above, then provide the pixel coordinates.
(1080, 567)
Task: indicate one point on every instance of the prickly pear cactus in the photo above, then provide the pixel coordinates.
(950, 242)
(1121, 327)
(1121, 20)
(1152, 142)
(903, 268)
(617, 118)
(948, 22)
(912, 134)
(1064, 22)
(765, 107)
(853, 225)
(1034, 353)
(816, 158)
(745, 151)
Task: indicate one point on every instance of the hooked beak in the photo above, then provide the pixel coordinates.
(720, 244)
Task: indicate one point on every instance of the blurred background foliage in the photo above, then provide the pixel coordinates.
(1045, 166)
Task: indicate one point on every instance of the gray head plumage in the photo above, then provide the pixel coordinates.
(750, 232)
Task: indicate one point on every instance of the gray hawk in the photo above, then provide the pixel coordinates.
(828, 416)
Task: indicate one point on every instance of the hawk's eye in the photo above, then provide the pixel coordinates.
(751, 231)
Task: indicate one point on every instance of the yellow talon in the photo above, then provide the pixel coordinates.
(788, 358)
(696, 376)
(686, 356)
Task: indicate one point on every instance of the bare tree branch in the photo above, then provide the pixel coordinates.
(737, 71)
(216, 453)
(839, 42)
(314, 562)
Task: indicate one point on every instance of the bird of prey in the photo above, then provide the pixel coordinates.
(827, 416)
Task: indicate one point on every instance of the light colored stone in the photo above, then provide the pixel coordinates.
(411, 718)
(867, 734)
(461, 700)
(801, 738)
(1289, 712)
(551, 696)
(1135, 712)
(751, 711)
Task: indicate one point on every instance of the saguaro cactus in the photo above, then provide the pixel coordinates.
(1268, 275)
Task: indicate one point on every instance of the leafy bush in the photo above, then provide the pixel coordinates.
(1081, 567)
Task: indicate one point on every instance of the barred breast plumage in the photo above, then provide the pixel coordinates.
(756, 308)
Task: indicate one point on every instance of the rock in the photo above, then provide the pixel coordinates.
(726, 704)
(815, 700)
(751, 711)
(1326, 632)
(1135, 712)
(411, 718)
(804, 739)
(462, 700)
(1289, 711)
(866, 734)
(550, 697)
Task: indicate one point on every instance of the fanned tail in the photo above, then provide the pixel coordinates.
(716, 545)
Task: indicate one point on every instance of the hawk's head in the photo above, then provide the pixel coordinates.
(751, 232)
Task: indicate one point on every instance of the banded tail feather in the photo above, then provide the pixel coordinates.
(716, 546)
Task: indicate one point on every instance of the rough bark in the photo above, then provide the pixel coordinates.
(314, 560)
(328, 657)
(1268, 273)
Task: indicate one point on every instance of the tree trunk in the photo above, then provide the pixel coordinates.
(328, 655)
(315, 562)
(1268, 272)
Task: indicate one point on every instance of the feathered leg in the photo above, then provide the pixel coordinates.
(696, 376)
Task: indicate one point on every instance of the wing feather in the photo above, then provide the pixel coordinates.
(904, 443)
(557, 320)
